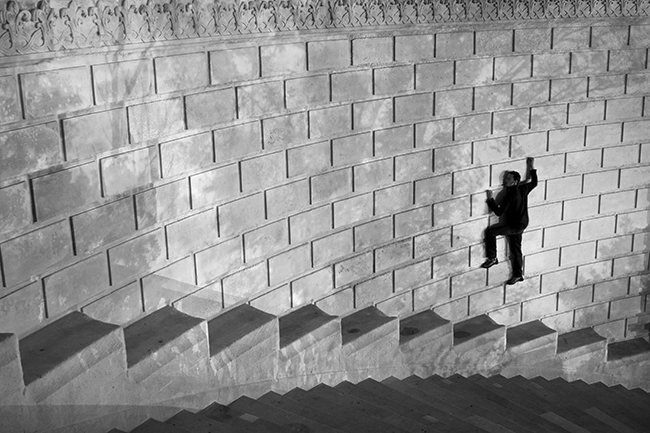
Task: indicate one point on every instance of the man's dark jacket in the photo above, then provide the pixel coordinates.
(515, 203)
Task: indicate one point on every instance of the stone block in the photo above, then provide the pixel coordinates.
(216, 107)
(604, 291)
(614, 246)
(433, 189)
(536, 308)
(529, 336)
(79, 144)
(328, 54)
(353, 210)
(275, 302)
(455, 310)
(492, 98)
(510, 68)
(181, 72)
(16, 211)
(241, 285)
(398, 305)
(330, 185)
(621, 109)
(287, 199)
(494, 42)
(565, 188)
(262, 172)
(137, 256)
(23, 310)
(568, 89)
(544, 261)
(75, 284)
(373, 290)
(557, 281)
(168, 284)
(600, 182)
(289, 264)
(637, 83)
(431, 294)
(414, 48)
(450, 212)
(312, 286)
(474, 72)
(394, 198)
(487, 300)
(450, 263)
(353, 269)
(397, 79)
(596, 228)
(545, 214)
(162, 203)
(372, 50)
(523, 145)
(436, 133)
(580, 208)
(507, 316)
(558, 235)
(571, 38)
(56, 356)
(260, 99)
(641, 242)
(414, 165)
(604, 135)
(10, 110)
(243, 344)
(388, 142)
(284, 131)
(472, 180)
(241, 215)
(594, 272)
(237, 141)
(532, 39)
(635, 130)
(166, 337)
(330, 121)
(626, 307)
(29, 149)
(530, 93)
(609, 37)
(30, 254)
(470, 282)
(352, 149)
(123, 80)
(350, 86)
(452, 158)
(218, 259)
(634, 177)
(203, 303)
(186, 155)
(370, 339)
(589, 62)
(310, 159)
(191, 233)
(411, 108)
(372, 114)
(373, 175)
(57, 91)
(566, 139)
(454, 45)
(283, 59)
(119, 307)
(413, 275)
(413, 221)
(606, 86)
(265, 240)
(574, 298)
(332, 247)
(578, 254)
(155, 119)
(489, 151)
(434, 76)
(632, 222)
(307, 225)
(473, 333)
(63, 191)
(307, 92)
(548, 117)
(392, 255)
(128, 171)
(376, 232)
(631, 264)
(586, 112)
(454, 102)
(627, 60)
(433, 242)
(468, 233)
(472, 127)
(234, 65)
(582, 161)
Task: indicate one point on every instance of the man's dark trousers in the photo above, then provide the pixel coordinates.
(514, 241)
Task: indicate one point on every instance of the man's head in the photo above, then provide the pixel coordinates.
(511, 178)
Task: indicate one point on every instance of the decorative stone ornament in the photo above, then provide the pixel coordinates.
(44, 28)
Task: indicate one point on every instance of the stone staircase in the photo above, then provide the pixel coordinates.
(298, 369)
(454, 404)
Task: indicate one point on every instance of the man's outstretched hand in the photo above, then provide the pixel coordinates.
(530, 163)
(488, 193)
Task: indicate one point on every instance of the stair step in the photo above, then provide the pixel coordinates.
(421, 328)
(153, 426)
(161, 337)
(279, 416)
(11, 375)
(471, 404)
(487, 425)
(514, 409)
(623, 350)
(618, 392)
(459, 415)
(241, 421)
(370, 339)
(582, 341)
(67, 349)
(529, 336)
(477, 331)
(243, 343)
(276, 400)
(407, 404)
(195, 423)
(611, 422)
(626, 399)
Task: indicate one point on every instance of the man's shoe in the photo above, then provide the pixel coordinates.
(514, 280)
(489, 263)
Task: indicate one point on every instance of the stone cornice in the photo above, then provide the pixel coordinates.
(44, 28)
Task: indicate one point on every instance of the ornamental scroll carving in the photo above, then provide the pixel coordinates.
(109, 23)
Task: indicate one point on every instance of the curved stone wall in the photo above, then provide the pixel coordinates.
(342, 168)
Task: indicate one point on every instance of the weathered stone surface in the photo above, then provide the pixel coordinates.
(283, 59)
(186, 155)
(237, 141)
(93, 134)
(56, 91)
(22, 310)
(210, 108)
(103, 225)
(119, 307)
(162, 203)
(128, 171)
(243, 284)
(234, 65)
(16, 210)
(155, 119)
(9, 102)
(29, 149)
(137, 255)
(168, 284)
(123, 80)
(181, 72)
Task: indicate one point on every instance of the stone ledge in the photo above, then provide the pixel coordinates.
(529, 336)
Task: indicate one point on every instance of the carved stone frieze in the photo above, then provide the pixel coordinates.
(109, 23)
